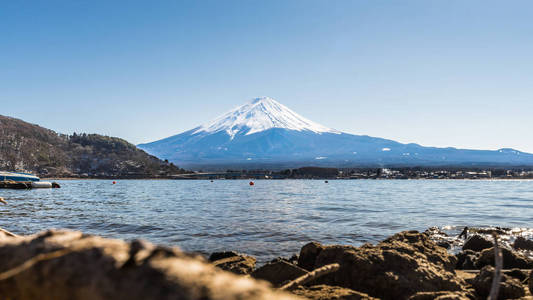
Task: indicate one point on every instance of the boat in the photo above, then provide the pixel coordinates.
(18, 177)
(15, 180)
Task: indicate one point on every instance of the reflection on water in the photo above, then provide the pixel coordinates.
(269, 219)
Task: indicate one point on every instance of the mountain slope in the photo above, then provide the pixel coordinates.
(28, 147)
(266, 134)
(259, 115)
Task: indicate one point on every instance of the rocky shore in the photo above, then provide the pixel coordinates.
(58, 264)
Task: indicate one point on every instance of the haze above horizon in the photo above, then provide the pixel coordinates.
(448, 74)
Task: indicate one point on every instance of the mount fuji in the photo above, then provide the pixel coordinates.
(266, 134)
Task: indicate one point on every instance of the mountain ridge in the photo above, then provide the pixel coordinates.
(265, 133)
(258, 115)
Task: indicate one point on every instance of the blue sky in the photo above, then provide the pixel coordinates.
(440, 73)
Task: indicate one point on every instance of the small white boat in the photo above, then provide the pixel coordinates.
(14, 180)
(18, 177)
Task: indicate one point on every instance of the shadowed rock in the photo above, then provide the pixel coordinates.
(221, 255)
(517, 273)
(63, 265)
(511, 259)
(510, 288)
(232, 262)
(397, 268)
(308, 255)
(522, 243)
(278, 272)
(466, 260)
(477, 243)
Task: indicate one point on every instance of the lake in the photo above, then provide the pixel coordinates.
(273, 217)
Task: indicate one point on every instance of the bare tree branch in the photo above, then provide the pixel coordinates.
(498, 265)
(311, 276)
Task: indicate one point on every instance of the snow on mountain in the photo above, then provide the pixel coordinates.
(259, 115)
(266, 134)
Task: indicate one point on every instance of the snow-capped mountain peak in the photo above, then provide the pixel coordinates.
(230, 141)
(258, 115)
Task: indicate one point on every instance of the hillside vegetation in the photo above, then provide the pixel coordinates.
(29, 147)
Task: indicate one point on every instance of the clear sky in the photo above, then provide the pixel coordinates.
(438, 73)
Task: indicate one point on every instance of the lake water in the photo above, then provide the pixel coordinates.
(273, 217)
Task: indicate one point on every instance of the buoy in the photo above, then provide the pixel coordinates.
(326, 181)
(211, 180)
(114, 182)
(251, 183)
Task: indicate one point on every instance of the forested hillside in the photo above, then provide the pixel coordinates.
(29, 147)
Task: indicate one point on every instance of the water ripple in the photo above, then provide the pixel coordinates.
(270, 219)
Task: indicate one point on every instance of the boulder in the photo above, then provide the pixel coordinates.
(308, 255)
(397, 268)
(510, 288)
(477, 243)
(221, 255)
(326, 292)
(517, 273)
(445, 244)
(511, 259)
(278, 272)
(63, 265)
(466, 260)
(239, 264)
(522, 243)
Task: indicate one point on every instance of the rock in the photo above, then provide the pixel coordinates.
(308, 255)
(510, 288)
(511, 259)
(477, 243)
(326, 292)
(523, 244)
(89, 267)
(278, 272)
(442, 296)
(221, 255)
(293, 259)
(397, 268)
(444, 244)
(518, 274)
(239, 264)
(466, 260)
(466, 276)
